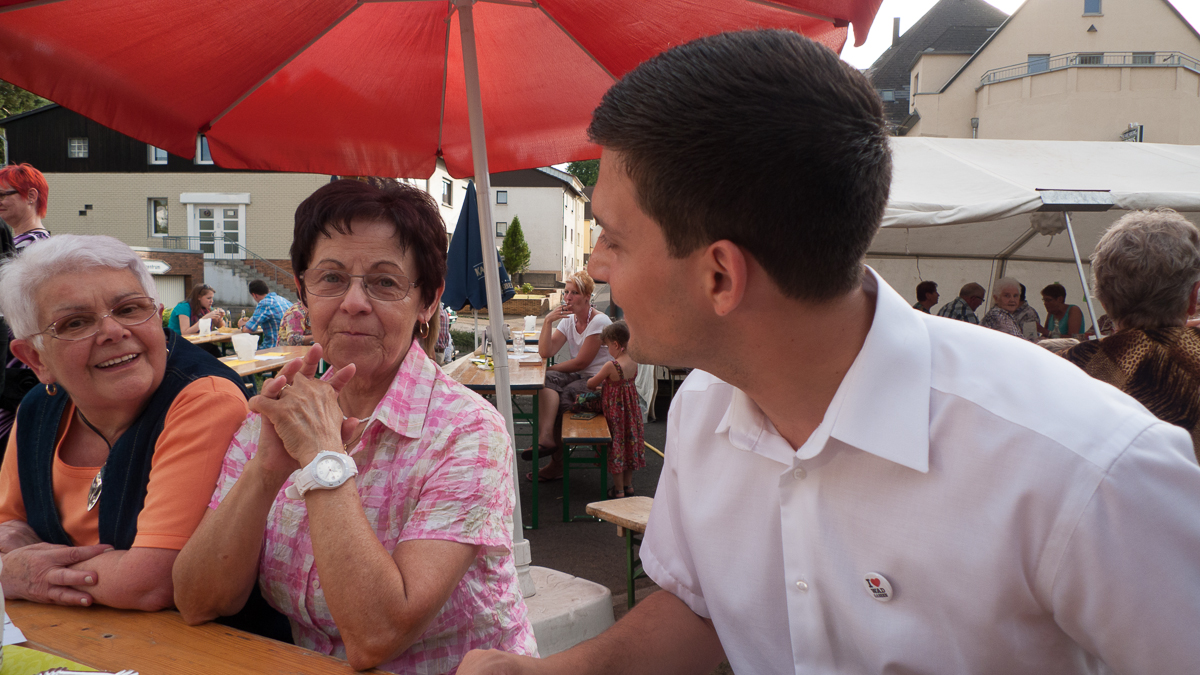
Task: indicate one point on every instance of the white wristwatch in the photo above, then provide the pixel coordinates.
(327, 471)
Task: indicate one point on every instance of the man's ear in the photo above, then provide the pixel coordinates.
(724, 267)
(1193, 302)
(23, 349)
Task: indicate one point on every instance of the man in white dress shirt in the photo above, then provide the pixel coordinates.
(852, 486)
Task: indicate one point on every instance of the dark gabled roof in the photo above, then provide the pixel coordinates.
(956, 26)
(962, 39)
(27, 113)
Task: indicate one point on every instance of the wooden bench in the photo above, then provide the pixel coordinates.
(630, 515)
(575, 433)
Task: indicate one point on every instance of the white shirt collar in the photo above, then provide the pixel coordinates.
(881, 406)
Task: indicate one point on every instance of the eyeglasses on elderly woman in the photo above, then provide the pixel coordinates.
(83, 325)
(334, 283)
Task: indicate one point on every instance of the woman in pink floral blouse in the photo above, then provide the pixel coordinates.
(372, 507)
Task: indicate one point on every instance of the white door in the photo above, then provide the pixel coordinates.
(221, 230)
(170, 290)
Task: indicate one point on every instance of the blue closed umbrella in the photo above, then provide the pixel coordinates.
(465, 280)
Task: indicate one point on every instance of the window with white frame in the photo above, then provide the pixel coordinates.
(203, 156)
(156, 155)
(77, 148)
(447, 192)
(1091, 6)
(501, 196)
(1143, 58)
(887, 95)
(501, 228)
(156, 214)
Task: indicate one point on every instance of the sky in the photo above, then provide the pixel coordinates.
(910, 11)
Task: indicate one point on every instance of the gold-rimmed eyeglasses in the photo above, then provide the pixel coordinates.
(83, 325)
(334, 283)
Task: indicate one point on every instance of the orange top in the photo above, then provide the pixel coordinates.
(183, 472)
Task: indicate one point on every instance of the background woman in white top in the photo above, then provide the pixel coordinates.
(577, 324)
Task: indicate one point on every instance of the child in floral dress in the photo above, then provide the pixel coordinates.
(619, 398)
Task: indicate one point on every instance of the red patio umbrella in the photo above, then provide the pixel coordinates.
(372, 87)
(364, 88)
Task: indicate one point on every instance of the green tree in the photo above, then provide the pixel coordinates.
(514, 251)
(586, 171)
(14, 101)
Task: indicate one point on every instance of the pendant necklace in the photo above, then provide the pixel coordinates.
(97, 482)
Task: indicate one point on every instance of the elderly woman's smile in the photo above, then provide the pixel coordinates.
(118, 363)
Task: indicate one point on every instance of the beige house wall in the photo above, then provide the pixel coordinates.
(119, 204)
(1080, 102)
(932, 71)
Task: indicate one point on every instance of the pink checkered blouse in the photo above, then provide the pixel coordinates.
(434, 463)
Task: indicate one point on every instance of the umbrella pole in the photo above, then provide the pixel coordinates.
(466, 23)
(1087, 293)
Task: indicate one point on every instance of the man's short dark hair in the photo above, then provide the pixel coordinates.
(764, 138)
(1055, 291)
(259, 287)
(925, 288)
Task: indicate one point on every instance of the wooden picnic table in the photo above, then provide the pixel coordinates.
(526, 379)
(287, 353)
(160, 642)
(215, 336)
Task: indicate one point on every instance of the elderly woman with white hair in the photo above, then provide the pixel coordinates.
(1147, 275)
(1006, 300)
(113, 459)
(578, 325)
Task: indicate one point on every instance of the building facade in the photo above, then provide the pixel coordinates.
(1095, 70)
(550, 204)
(193, 221)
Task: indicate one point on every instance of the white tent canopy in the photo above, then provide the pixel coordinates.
(960, 209)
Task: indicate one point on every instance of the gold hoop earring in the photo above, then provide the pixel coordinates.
(52, 389)
(424, 332)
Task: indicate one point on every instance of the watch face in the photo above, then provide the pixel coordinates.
(329, 471)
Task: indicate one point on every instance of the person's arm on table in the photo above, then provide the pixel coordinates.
(381, 603)
(34, 570)
(660, 635)
(252, 324)
(186, 327)
(184, 470)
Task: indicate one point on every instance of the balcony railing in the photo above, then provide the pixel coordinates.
(215, 246)
(1091, 60)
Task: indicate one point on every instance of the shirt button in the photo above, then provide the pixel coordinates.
(316, 583)
(802, 585)
(800, 473)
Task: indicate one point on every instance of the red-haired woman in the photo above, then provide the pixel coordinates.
(22, 205)
(23, 193)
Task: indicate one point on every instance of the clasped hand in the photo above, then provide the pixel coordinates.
(41, 573)
(300, 414)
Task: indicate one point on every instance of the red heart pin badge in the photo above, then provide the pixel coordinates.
(874, 582)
